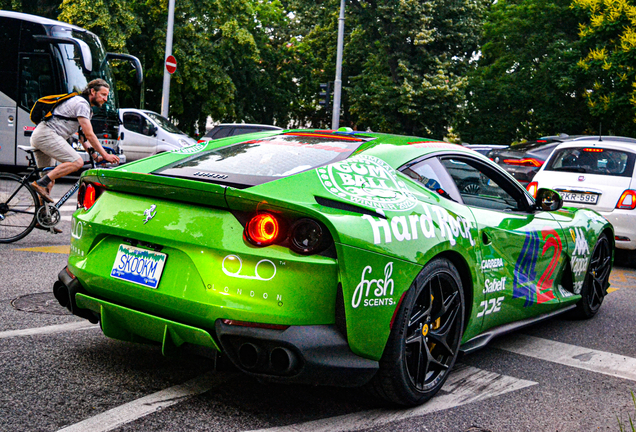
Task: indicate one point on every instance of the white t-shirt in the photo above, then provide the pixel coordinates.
(73, 108)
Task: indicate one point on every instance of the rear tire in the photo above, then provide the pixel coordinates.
(596, 280)
(18, 205)
(425, 338)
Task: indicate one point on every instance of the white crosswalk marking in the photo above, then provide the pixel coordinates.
(131, 411)
(571, 355)
(80, 325)
(465, 385)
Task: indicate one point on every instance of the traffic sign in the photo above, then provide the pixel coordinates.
(171, 64)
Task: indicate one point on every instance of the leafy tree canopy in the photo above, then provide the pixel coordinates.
(608, 32)
(526, 83)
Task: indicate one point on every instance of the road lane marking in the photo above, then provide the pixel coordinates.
(62, 249)
(465, 385)
(131, 411)
(81, 325)
(571, 355)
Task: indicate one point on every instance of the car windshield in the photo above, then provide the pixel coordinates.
(69, 61)
(593, 160)
(163, 122)
(262, 160)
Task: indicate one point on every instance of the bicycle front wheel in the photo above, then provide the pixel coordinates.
(18, 204)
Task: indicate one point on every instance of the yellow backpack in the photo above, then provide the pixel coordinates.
(43, 108)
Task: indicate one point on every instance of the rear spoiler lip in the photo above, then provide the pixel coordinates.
(158, 186)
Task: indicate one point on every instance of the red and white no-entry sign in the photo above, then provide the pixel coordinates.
(171, 64)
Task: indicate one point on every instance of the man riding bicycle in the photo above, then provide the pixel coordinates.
(50, 136)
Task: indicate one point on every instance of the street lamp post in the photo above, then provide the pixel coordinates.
(337, 84)
(165, 96)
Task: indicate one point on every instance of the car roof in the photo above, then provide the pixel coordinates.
(247, 125)
(606, 142)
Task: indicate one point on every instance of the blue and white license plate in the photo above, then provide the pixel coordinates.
(140, 266)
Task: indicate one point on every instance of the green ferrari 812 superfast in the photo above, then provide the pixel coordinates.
(328, 257)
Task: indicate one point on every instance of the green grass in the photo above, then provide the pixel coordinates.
(623, 426)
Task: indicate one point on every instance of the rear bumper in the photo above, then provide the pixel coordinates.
(624, 223)
(316, 354)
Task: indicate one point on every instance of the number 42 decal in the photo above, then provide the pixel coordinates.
(490, 306)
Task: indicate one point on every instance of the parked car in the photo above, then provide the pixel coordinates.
(231, 129)
(524, 160)
(328, 257)
(143, 133)
(596, 174)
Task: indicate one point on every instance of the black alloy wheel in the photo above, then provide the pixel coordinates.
(596, 279)
(425, 337)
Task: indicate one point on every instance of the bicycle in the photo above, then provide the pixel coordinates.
(21, 208)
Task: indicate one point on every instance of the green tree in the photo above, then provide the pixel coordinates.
(526, 83)
(608, 31)
(410, 61)
(45, 8)
(403, 62)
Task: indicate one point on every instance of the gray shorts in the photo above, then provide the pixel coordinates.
(51, 146)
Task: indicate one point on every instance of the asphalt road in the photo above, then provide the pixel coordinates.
(60, 373)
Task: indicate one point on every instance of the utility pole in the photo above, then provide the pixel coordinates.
(337, 84)
(165, 96)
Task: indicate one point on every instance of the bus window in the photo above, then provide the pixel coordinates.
(36, 79)
(9, 35)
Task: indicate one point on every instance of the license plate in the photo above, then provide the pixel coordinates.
(586, 198)
(140, 266)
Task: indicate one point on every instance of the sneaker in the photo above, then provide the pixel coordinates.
(42, 191)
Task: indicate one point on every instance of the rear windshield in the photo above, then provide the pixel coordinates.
(258, 161)
(593, 160)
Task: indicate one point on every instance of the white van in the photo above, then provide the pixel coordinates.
(143, 133)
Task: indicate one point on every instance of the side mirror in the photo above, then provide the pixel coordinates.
(153, 130)
(548, 200)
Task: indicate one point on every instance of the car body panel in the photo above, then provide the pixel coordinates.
(384, 224)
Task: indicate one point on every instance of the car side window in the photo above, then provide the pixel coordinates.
(243, 130)
(432, 175)
(146, 126)
(131, 122)
(218, 132)
(481, 186)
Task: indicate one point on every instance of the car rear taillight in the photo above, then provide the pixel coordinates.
(532, 188)
(264, 229)
(627, 201)
(528, 162)
(304, 236)
(87, 195)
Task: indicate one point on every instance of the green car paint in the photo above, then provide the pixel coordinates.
(384, 221)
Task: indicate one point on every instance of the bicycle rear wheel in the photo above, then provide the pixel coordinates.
(18, 205)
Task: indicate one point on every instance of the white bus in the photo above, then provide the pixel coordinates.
(40, 57)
